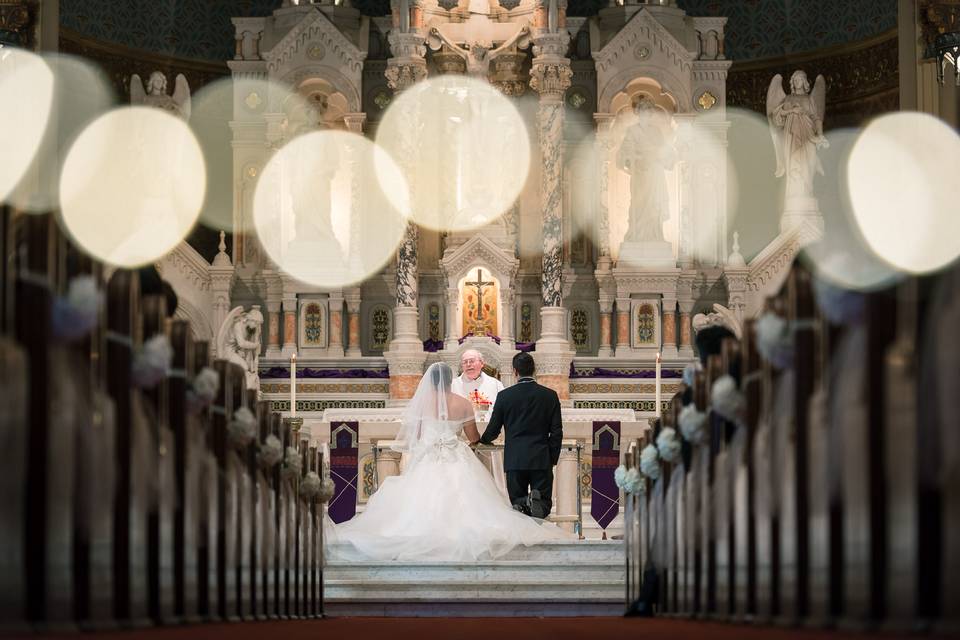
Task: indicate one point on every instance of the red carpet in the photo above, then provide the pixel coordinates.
(482, 629)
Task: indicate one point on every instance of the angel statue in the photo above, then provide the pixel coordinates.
(239, 341)
(155, 94)
(480, 53)
(796, 124)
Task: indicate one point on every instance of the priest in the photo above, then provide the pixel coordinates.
(473, 384)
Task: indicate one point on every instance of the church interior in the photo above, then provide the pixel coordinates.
(236, 234)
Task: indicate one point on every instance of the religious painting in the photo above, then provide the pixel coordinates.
(313, 323)
(580, 329)
(380, 328)
(433, 322)
(645, 322)
(526, 322)
(478, 299)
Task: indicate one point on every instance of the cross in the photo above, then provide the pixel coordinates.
(479, 284)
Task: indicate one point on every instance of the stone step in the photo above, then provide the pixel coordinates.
(528, 590)
(494, 571)
(557, 552)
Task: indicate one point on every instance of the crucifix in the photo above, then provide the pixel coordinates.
(480, 284)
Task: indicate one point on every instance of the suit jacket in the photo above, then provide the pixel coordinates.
(534, 432)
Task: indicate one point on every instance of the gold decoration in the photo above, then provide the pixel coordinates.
(316, 52)
(382, 99)
(253, 100)
(706, 100)
(252, 172)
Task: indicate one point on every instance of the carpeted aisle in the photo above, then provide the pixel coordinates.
(480, 629)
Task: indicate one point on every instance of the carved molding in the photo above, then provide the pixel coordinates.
(315, 27)
(937, 17)
(643, 26)
(17, 19)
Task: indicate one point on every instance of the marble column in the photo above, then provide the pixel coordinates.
(669, 340)
(221, 282)
(388, 465)
(336, 326)
(604, 151)
(289, 324)
(623, 327)
(405, 356)
(550, 77)
(452, 339)
(568, 484)
(606, 327)
(274, 301)
(686, 328)
(352, 298)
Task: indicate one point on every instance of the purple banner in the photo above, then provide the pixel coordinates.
(600, 372)
(344, 452)
(605, 499)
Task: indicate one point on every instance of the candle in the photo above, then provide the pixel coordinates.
(293, 384)
(658, 384)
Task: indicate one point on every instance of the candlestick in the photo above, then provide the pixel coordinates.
(293, 384)
(658, 384)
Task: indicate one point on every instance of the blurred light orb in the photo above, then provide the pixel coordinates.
(26, 99)
(322, 215)
(463, 147)
(904, 190)
(81, 93)
(132, 186)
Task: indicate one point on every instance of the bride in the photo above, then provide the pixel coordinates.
(444, 506)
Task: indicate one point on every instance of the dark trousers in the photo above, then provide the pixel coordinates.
(520, 483)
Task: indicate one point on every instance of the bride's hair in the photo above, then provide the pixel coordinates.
(441, 376)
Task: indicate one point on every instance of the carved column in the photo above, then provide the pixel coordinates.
(686, 328)
(221, 282)
(289, 324)
(685, 150)
(405, 356)
(604, 150)
(352, 298)
(550, 77)
(274, 301)
(452, 338)
(336, 326)
(354, 122)
(568, 484)
(507, 335)
(669, 328)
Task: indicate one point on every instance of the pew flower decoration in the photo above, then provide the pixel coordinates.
(76, 314)
(327, 489)
(774, 340)
(650, 462)
(271, 452)
(204, 389)
(693, 424)
(310, 486)
(727, 400)
(840, 306)
(629, 481)
(668, 445)
(242, 428)
(291, 463)
(152, 362)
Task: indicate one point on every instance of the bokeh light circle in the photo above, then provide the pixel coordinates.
(322, 215)
(132, 185)
(904, 190)
(26, 98)
(81, 93)
(463, 148)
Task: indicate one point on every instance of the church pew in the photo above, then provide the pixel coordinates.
(677, 506)
(701, 504)
(160, 535)
(208, 506)
(745, 538)
(188, 457)
(276, 577)
(132, 451)
(224, 586)
(714, 495)
(242, 500)
(631, 529)
(313, 541)
(286, 510)
(900, 435)
(262, 541)
(301, 526)
(730, 464)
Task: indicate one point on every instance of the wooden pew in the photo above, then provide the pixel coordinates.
(160, 536)
(715, 501)
(287, 518)
(266, 520)
(277, 573)
(745, 533)
(238, 467)
(208, 503)
(700, 504)
(189, 449)
(133, 451)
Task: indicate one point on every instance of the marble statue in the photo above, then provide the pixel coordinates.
(646, 156)
(239, 341)
(479, 53)
(156, 95)
(721, 317)
(796, 125)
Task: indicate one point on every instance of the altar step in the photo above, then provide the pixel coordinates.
(551, 579)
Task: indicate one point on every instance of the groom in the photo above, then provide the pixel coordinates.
(531, 415)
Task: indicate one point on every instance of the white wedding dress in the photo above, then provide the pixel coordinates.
(444, 506)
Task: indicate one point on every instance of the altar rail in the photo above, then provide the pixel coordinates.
(822, 492)
(131, 501)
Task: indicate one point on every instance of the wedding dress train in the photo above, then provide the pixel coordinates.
(444, 506)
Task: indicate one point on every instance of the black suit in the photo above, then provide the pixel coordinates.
(534, 434)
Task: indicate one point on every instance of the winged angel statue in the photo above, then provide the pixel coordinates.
(796, 124)
(155, 94)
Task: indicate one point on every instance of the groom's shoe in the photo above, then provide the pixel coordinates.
(522, 505)
(538, 507)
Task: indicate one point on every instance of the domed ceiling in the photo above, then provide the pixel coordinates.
(201, 29)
